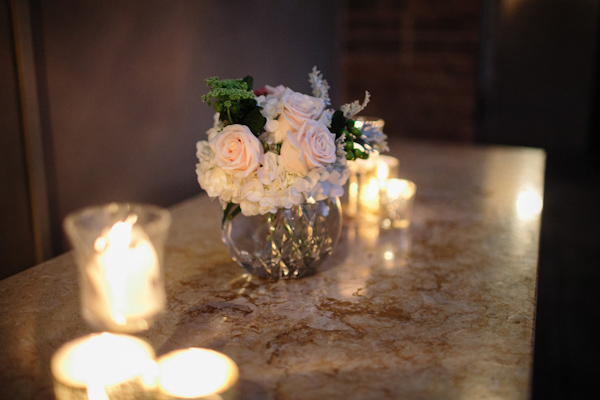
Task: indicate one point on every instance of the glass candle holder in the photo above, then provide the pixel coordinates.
(397, 200)
(103, 366)
(387, 167)
(196, 373)
(119, 251)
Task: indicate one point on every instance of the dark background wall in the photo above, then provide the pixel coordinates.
(16, 231)
(419, 59)
(538, 73)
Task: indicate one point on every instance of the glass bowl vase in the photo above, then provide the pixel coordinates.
(288, 244)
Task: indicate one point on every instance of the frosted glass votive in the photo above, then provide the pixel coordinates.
(397, 200)
(119, 251)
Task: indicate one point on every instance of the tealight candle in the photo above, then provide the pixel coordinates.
(369, 197)
(360, 173)
(196, 373)
(118, 248)
(387, 168)
(397, 203)
(123, 277)
(103, 366)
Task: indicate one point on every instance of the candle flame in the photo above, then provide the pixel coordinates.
(126, 274)
(120, 234)
(383, 170)
(99, 361)
(397, 188)
(96, 391)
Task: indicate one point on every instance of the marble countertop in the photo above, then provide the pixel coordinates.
(443, 311)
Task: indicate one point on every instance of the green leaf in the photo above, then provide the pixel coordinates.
(249, 81)
(231, 210)
(338, 123)
(254, 120)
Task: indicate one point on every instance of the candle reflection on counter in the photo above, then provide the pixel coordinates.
(529, 203)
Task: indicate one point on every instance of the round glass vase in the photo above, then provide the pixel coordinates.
(288, 244)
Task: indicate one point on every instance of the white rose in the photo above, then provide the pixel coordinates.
(313, 145)
(237, 151)
(297, 109)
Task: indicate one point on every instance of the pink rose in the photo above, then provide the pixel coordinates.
(298, 108)
(237, 151)
(313, 145)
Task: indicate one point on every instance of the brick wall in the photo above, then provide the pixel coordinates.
(418, 59)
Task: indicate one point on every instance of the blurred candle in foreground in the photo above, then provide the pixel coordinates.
(118, 248)
(103, 366)
(397, 203)
(196, 373)
(123, 275)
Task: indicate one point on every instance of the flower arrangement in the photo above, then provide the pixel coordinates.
(275, 148)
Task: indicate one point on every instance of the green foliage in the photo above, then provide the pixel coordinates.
(234, 101)
(340, 125)
(254, 120)
(226, 91)
(231, 210)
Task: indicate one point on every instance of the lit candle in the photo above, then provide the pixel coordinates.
(360, 172)
(103, 366)
(195, 373)
(387, 168)
(125, 279)
(352, 205)
(118, 248)
(369, 197)
(397, 201)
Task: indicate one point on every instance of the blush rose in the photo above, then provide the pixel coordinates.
(313, 145)
(237, 151)
(296, 109)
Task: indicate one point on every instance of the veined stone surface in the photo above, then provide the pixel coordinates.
(443, 311)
